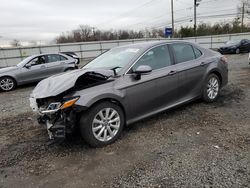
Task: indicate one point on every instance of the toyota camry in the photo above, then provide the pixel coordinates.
(125, 85)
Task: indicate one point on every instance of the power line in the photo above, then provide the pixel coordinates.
(184, 19)
(125, 13)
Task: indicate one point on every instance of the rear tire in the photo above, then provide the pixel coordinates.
(7, 84)
(211, 88)
(102, 124)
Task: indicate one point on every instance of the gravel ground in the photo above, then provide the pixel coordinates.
(195, 145)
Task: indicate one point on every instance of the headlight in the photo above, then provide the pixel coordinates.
(54, 107)
(69, 103)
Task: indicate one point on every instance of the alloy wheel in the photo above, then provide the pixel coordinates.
(212, 88)
(106, 124)
(7, 84)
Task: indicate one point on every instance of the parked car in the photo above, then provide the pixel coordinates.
(35, 68)
(127, 84)
(235, 46)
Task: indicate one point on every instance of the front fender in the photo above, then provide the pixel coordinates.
(92, 95)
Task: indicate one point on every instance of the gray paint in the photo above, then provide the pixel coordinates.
(154, 92)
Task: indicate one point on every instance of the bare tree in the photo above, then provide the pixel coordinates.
(85, 31)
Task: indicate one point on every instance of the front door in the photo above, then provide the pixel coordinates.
(35, 70)
(153, 91)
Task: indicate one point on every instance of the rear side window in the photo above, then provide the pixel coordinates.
(53, 58)
(62, 58)
(156, 58)
(197, 52)
(183, 52)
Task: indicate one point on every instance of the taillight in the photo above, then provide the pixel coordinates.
(224, 60)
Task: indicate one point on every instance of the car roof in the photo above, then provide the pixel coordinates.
(150, 44)
(47, 54)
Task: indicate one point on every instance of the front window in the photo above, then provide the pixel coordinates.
(117, 57)
(37, 61)
(156, 58)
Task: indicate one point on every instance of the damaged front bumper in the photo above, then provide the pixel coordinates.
(59, 118)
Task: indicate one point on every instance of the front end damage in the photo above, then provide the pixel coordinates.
(59, 117)
(57, 111)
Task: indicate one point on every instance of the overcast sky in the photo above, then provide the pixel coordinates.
(43, 20)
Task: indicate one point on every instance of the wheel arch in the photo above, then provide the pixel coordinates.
(8, 76)
(217, 73)
(112, 100)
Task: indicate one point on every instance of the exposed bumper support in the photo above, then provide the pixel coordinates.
(58, 124)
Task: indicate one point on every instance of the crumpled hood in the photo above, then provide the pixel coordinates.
(8, 69)
(59, 83)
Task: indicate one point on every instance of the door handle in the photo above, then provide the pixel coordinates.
(43, 67)
(202, 64)
(172, 72)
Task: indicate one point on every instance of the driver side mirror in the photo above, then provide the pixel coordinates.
(27, 66)
(142, 69)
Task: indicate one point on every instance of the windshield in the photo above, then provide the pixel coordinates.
(23, 62)
(233, 42)
(117, 57)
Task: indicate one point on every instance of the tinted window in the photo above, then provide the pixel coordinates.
(197, 52)
(53, 58)
(156, 58)
(62, 58)
(183, 52)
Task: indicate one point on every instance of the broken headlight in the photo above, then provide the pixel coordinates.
(69, 102)
(56, 106)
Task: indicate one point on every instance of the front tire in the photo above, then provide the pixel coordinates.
(7, 84)
(211, 88)
(102, 124)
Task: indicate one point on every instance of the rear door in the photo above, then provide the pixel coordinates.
(55, 63)
(191, 68)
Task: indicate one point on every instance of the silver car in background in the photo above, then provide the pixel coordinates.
(36, 68)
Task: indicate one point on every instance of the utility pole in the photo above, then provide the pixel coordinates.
(172, 11)
(195, 3)
(242, 16)
(93, 30)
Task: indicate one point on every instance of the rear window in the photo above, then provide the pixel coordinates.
(183, 52)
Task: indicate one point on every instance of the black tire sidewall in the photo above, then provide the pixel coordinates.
(205, 94)
(87, 119)
(14, 81)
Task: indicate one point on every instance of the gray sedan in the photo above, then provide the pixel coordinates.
(125, 85)
(35, 68)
